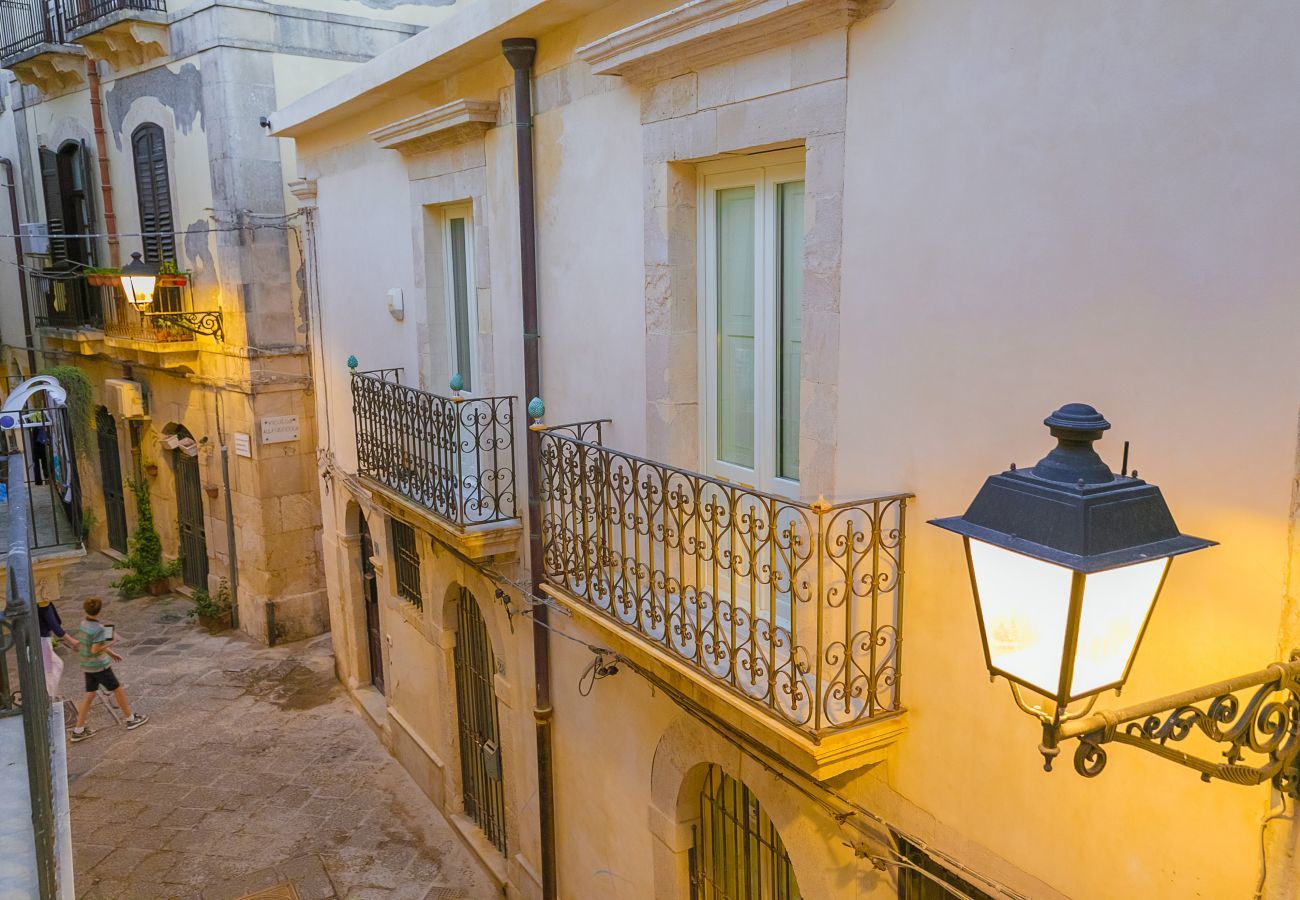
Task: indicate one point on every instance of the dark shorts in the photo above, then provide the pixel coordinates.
(103, 678)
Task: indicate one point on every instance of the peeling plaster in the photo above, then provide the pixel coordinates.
(198, 248)
(181, 92)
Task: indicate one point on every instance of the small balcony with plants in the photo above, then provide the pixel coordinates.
(781, 617)
(449, 459)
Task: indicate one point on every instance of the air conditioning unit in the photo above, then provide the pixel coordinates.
(36, 238)
(124, 398)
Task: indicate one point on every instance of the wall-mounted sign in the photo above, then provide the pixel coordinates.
(243, 446)
(279, 429)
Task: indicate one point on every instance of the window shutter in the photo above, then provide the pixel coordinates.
(53, 204)
(88, 203)
(153, 189)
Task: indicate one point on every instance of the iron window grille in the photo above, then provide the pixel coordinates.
(921, 878)
(407, 557)
(737, 853)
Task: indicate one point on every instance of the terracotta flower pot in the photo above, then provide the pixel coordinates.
(214, 623)
(151, 470)
(158, 587)
(100, 279)
(177, 280)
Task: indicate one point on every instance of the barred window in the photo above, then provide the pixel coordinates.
(925, 879)
(407, 558)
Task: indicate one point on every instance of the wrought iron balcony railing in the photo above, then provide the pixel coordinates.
(795, 607)
(79, 13)
(25, 24)
(170, 318)
(451, 455)
(63, 299)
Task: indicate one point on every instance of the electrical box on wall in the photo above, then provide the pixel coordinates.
(395, 304)
(35, 238)
(124, 398)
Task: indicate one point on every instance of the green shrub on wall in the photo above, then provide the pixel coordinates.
(145, 561)
(81, 405)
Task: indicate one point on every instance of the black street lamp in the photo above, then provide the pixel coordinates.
(1066, 561)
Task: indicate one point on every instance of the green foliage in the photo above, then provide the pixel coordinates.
(167, 267)
(145, 561)
(208, 606)
(88, 521)
(101, 270)
(81, 404)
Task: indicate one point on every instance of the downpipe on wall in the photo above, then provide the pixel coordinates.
(101, 150)
(28, 341)
(520, 53)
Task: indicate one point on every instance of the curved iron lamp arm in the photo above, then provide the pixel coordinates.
(1267, 725)
(208, 323)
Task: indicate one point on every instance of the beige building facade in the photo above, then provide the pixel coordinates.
(134, 127)
(807, 273)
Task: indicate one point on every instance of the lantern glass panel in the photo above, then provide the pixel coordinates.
(1116, 604)
(1025, 604)
(139, 289)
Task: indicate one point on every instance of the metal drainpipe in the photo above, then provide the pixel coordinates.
(28, 339)
(101, 148)
(520, 53)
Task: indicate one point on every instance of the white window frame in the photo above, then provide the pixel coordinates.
(464, 211)
(765, 172)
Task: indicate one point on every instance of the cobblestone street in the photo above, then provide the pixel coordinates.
(254, 770)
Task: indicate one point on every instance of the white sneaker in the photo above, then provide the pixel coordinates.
(136, 721)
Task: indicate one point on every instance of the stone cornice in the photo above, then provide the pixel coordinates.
(707, 32)
(453, 123)
(304, 190)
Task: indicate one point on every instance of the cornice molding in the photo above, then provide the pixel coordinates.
(453, 123)
(708, 32)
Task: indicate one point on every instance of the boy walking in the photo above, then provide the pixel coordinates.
(96, 651)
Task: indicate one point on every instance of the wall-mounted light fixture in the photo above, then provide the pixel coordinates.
(138, 281)
(1066, 560)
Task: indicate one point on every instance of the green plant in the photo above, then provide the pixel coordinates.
(101, 270)
(81, 404)
(88, 521)
(208, 606)
(145, 561)
(167, 267)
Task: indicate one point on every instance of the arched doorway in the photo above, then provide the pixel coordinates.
(189, 510)
(370, 598)
(110, 479)
(477, 722)
(737, 852)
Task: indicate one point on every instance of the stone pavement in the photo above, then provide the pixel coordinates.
(254, 769)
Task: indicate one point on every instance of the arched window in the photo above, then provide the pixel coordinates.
(738, 854)
(153, 189)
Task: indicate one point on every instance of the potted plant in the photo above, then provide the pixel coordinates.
(169, 277)
(212, 610)
(104, 276)
(147, 572)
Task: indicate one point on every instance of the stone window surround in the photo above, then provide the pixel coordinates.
(446, 162)
(704, 115)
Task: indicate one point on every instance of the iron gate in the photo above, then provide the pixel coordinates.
(189, 507)
(370, 595)
(110, 479)
(738, 854)
(476, 713)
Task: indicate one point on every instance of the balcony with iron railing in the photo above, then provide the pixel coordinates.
(34, 44)
(450, 456)
(771, 611)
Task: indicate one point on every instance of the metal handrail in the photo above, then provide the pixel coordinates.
(78, 13)
(794, 606)
(451, 455)
(26, 24)
(20, 641)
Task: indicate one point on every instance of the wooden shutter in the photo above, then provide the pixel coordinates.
(53, 204)
(88, 203)
(154, 192)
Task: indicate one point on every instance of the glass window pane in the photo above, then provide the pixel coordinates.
(789, 200)
(459, 289)
(736, 301)
(1115, 606)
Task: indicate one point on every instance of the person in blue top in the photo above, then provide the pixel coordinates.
(52, 629)
(96, 653)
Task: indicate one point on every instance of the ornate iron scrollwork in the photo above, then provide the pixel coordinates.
(1262, 733)
(205, 323)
